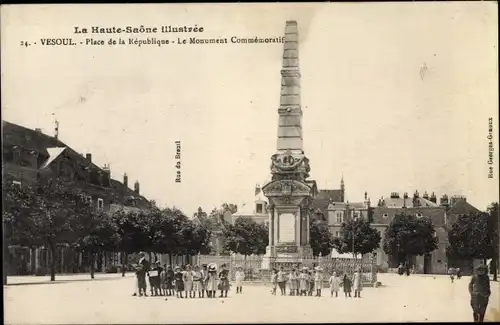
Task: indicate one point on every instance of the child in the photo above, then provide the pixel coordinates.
(197, 278)
(223, 281)
(169, 281)
(154, 279)
(281, 279)
(303, 282)
(292, 278)
(239, 277)
(188, 281)
(356, 280)
(179, 281)
(451, 273)
(334, 284)
(204, 280)
(318, 281)
(274, 281)
(346, 283)
(211, 283)
(311, 277)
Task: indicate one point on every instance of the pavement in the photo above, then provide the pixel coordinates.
(402, 299)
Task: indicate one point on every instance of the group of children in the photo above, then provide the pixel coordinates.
(186, 282)
(306, 281)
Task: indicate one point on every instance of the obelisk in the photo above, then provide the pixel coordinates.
(290, 194)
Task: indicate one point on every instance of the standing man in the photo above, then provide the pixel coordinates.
(479, 289)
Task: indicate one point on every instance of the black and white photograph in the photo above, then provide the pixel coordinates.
(250, 163)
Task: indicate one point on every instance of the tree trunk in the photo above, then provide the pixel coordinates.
(245, 262)
(149, 254)
(169, 258)
(124, 263)
(52, 261)
(92, 265)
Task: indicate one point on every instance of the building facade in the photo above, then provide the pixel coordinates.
(442, 215)
(29, 156)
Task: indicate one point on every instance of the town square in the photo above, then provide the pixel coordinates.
(403, 299)
(277, 191)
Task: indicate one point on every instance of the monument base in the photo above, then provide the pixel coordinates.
(284, 255)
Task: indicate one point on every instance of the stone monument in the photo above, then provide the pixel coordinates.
(290, 194)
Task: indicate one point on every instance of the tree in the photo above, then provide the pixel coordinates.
(96, 232)
(42, 214)
(246, 237)
(409, 236)
(132, 232)
(475, 236)
(357, 232)
(495, 227)
(321, 239)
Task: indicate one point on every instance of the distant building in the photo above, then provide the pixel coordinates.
(30, 155)
(442, 216)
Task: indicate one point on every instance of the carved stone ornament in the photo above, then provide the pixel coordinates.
(286, 188)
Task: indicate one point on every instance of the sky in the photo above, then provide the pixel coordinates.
(395, 96)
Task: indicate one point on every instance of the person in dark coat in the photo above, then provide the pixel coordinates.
(179, 281)
(154, 279)
(479, 289)
(223, 281)
(141, 273)
(169, 281)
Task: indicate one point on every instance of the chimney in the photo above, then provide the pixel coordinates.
(38, 130)
(125, 180)
(89, 157)
(136, 187)
(433, 198)
(444, 200)
(426, 196)
(394, 195)
(107, 175)
(257, 189)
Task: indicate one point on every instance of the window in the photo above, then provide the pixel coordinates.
(337, 234)
(100, 203)
(340, 217)
(259, 208)
(266, 223)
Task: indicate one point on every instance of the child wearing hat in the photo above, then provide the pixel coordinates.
(239, 277)
(318, 281)
(211, 280)
(179, 281)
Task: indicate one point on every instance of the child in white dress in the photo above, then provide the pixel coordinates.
(239, 277)
(334, 282)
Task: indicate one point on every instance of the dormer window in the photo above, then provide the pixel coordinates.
(419, 215)
(385, 215)
(259, 208)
